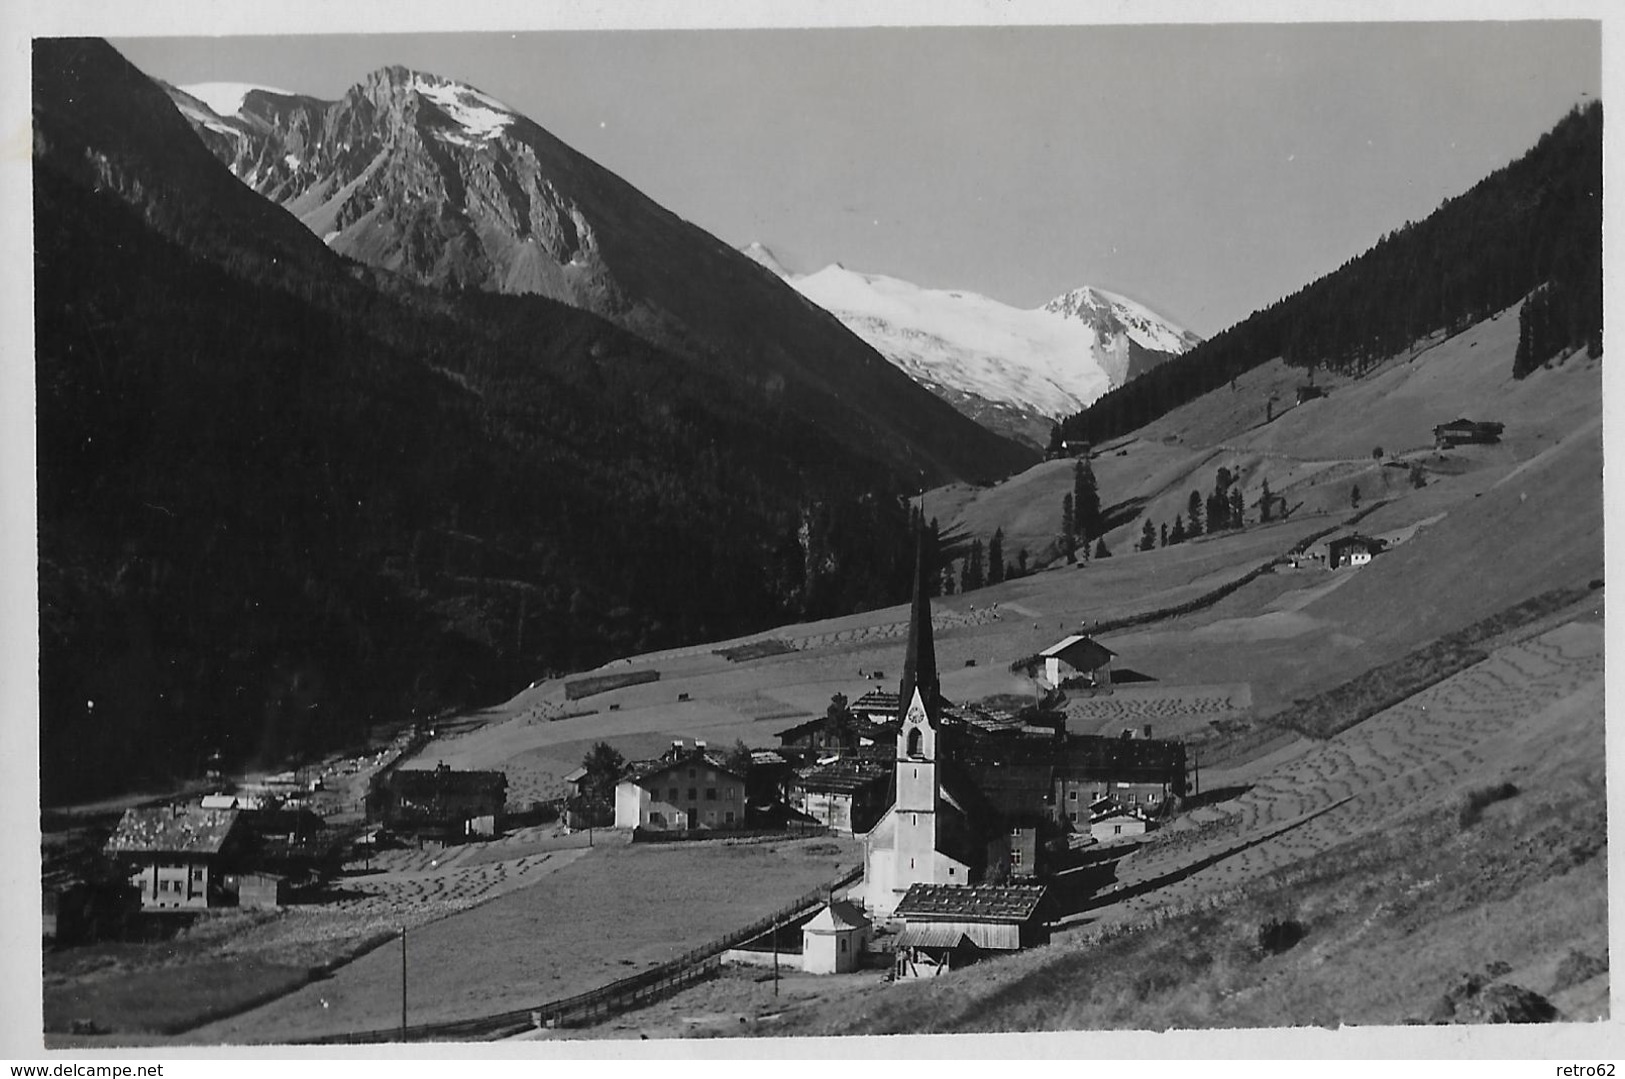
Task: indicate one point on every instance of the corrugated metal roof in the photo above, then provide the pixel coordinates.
(931, 936)
(172, 830)
(972, 903)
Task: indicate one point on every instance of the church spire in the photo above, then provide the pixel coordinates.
(920, 662)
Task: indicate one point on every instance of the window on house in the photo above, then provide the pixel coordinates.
(658, 820)
(843, 944)
(1072, 815)
(1015, 857)
(733, 794)
(693, 794)
(1072, 796)
(728, 818)
(1117, 829)
(671, 794)
(710, 794)
(950, 870)
(197, 873)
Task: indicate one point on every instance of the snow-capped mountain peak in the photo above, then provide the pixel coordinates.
(762, 256)
(1009, 368)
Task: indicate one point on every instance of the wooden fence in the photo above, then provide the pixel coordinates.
(595, 1005)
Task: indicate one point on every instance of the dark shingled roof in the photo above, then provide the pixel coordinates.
(643, 771)
(413, 783)
(843, 775)
(971, 903)
(172, 830)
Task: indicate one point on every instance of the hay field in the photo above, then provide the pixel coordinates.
(603, 914)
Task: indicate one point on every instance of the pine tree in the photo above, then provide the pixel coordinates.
(1069, 535)
(1054, 447)
(1354, 497)
(1148, 536)
(1164, 542)
(1021, 562)
(1100, 548)
(995, 557)
(1085, 498)
(1193, 509)
(1238, 508)
(1418, 477)
(1264, 508)
(1178, 534)
(972, 578)
(948, 580)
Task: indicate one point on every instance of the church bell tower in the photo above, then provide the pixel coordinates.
(918, 789)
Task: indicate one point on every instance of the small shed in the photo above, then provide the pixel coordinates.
(261, 891)
(834, 939)
(1078, 654)
(924, 951)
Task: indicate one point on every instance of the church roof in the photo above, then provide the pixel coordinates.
(920, 660)
(971, 903)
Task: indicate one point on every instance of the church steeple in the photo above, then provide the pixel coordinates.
(920, 661)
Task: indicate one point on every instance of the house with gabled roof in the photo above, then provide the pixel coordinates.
(1078, 656)
(686, 790)
(177, 856)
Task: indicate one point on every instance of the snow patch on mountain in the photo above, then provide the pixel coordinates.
(476, 112)
(226, 98)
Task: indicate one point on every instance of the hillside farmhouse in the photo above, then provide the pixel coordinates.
(1353, 550)
(1078, 657)
(1114, 824)
(688, 789)
(1457, 432)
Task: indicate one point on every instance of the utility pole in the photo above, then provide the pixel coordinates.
(403, 983)
(775, 961)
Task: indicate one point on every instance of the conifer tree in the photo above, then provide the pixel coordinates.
(1354, 497)
(1021, 562)
(1238, 508)
(1148, 536)
(948, 580)
(1264, 508)
(1164, 530)
(995, 557)
(1100, 548)
(972, 578)
(1193, 509)
(1178, 533)
(1085, 498)
(1069, 535)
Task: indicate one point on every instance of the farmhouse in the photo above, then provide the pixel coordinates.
(686, 790)
(876, 706)
(1446, 435)
(178, 854)
(449, 803)
(847, 795)
(948, 927)
(1353, 550)
(1078, 656)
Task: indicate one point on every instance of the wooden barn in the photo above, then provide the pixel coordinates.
(847, 795)
(1078, 656)
(451, 804)
(947, 926)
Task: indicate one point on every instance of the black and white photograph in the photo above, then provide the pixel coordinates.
(640, 532)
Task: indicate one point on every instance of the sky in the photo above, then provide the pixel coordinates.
(1205, 170)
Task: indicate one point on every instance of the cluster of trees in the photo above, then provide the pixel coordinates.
(981, 566)
(1222, 510)
(1535, 224)
(1081, 516)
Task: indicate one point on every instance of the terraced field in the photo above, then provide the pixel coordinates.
(1496, 719)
